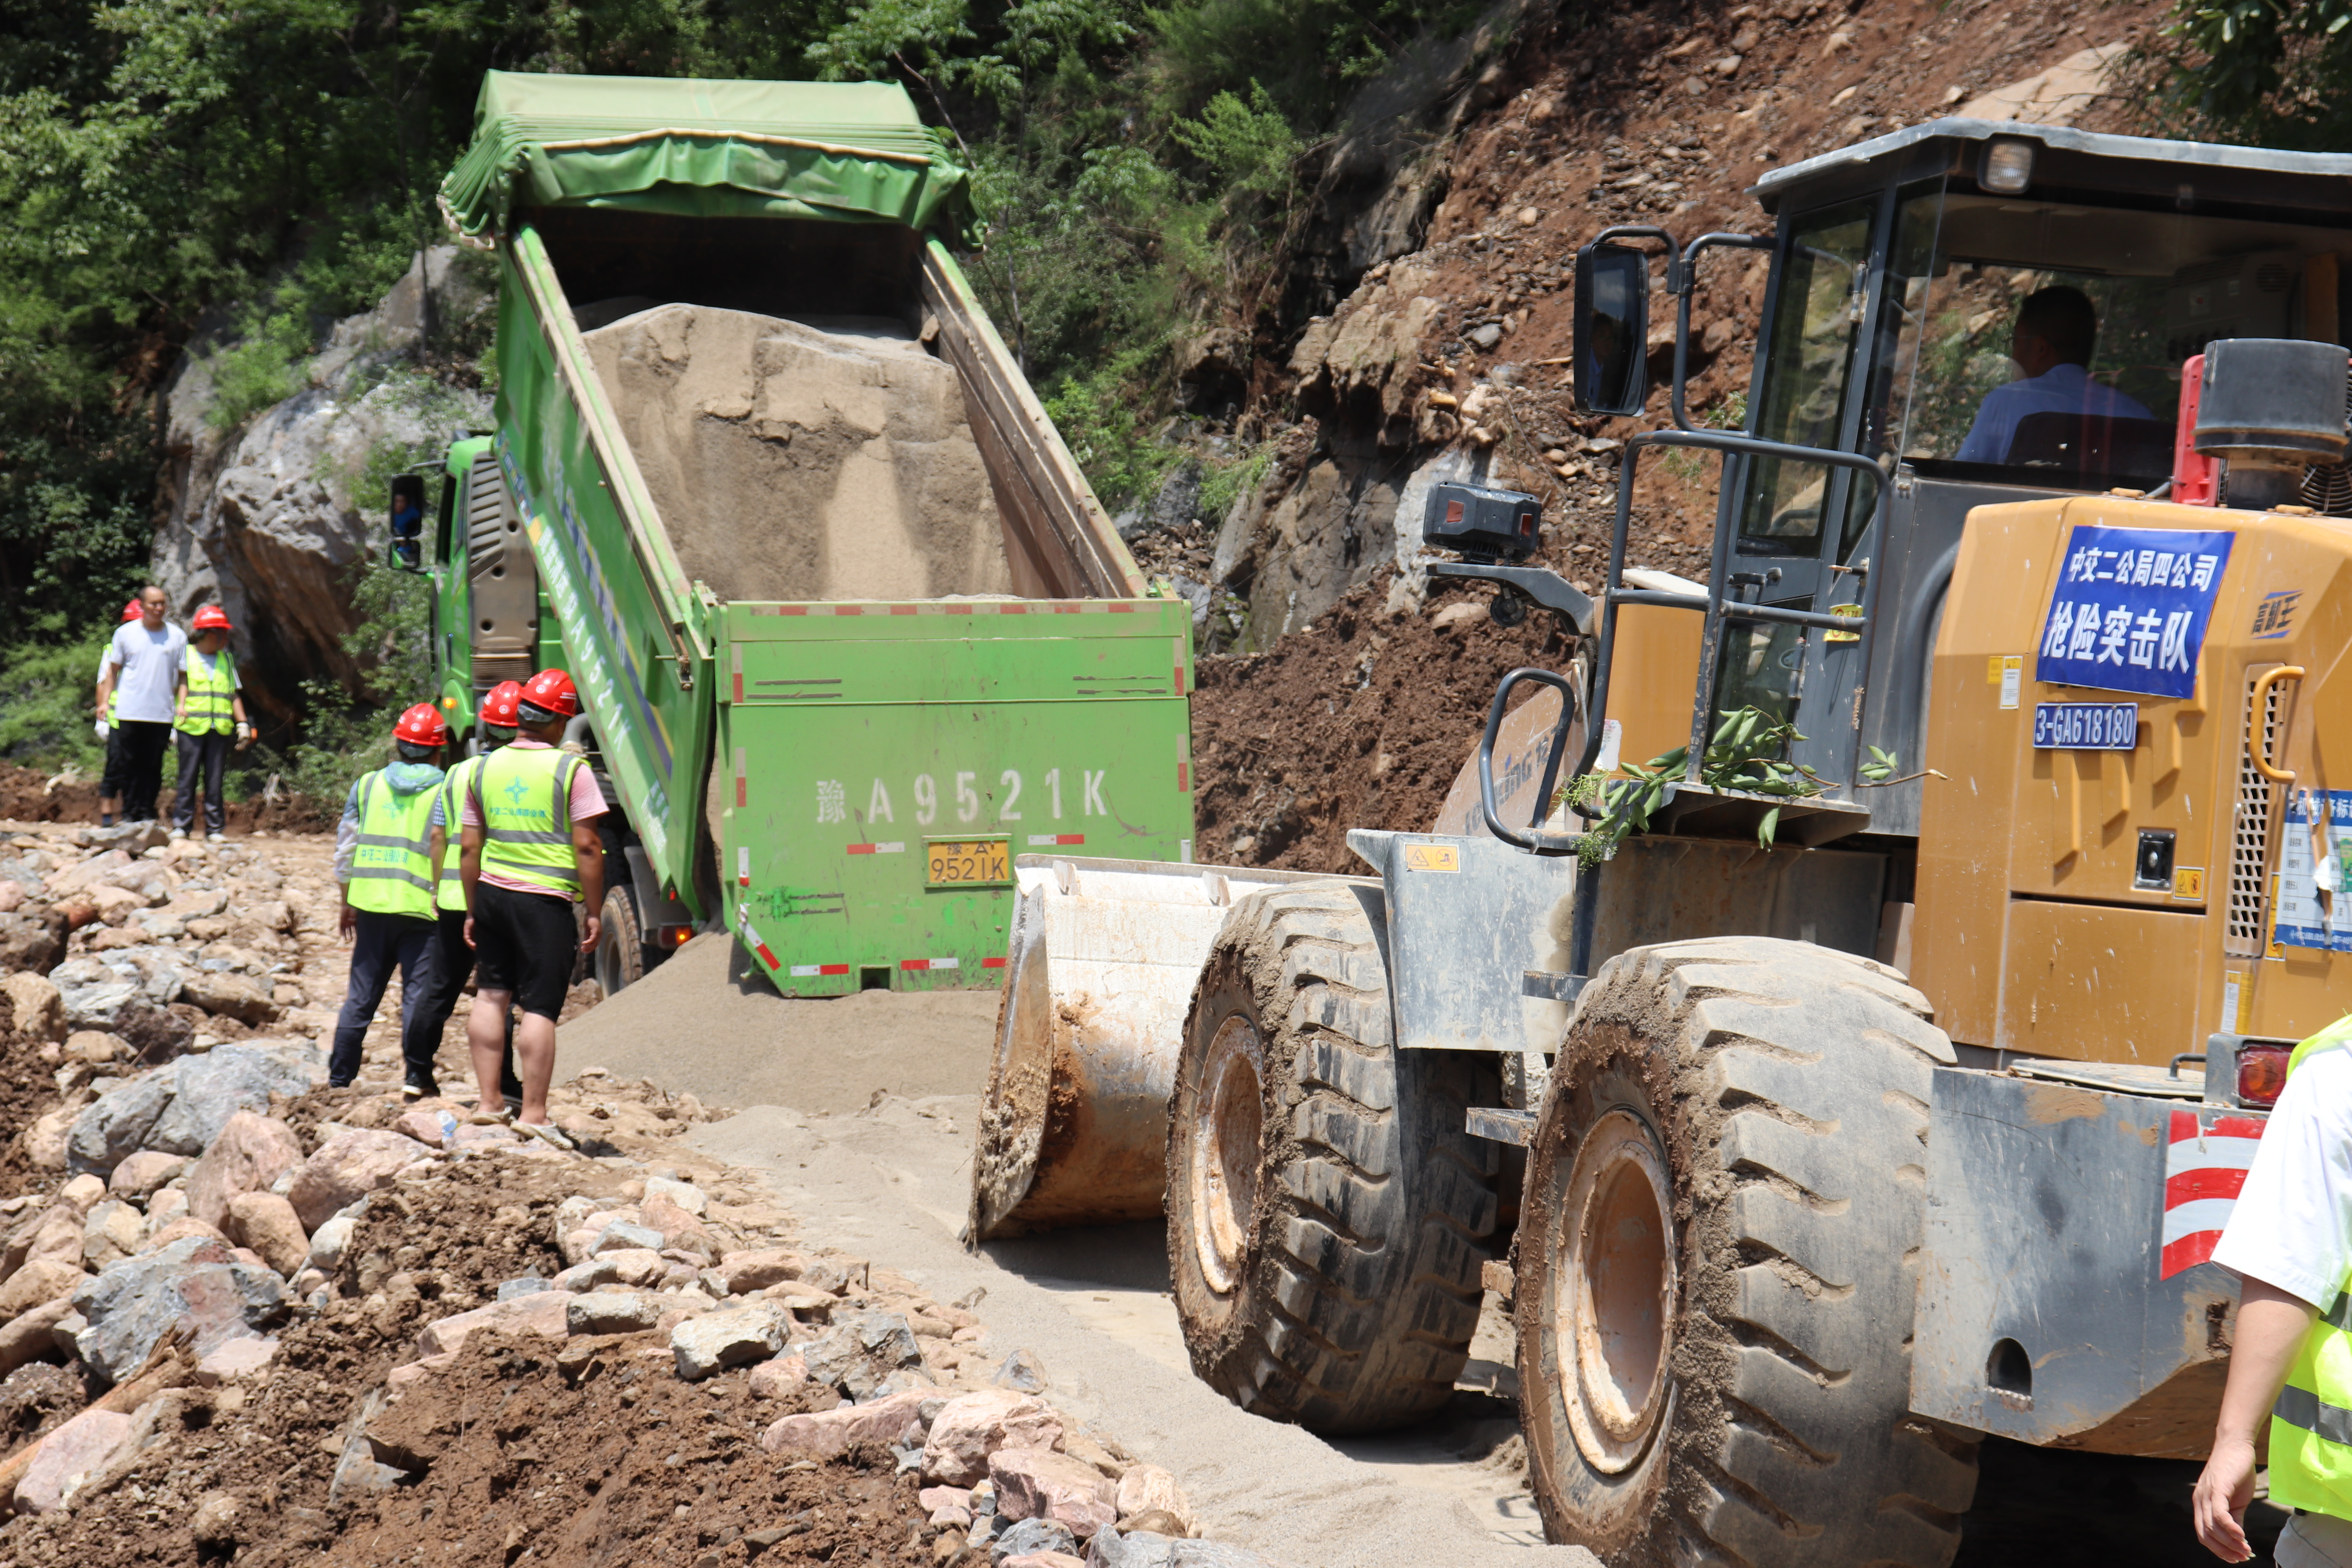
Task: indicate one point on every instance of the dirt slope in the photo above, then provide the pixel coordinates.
(1449, 357)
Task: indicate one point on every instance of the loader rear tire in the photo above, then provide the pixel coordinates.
(1327, 1214)
(1716, 1263)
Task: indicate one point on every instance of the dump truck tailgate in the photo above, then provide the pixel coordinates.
(881, 765)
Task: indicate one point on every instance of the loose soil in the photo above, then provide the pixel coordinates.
(1361, 721)
(794, 464)
(27, 794)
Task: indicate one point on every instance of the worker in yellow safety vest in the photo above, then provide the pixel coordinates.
(531, 851)
(383, 858)
(2289, 1239)
(208, 711)
(453, 960)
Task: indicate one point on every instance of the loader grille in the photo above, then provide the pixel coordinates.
(2244, 925)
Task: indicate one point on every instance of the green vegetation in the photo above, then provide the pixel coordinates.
(234, 176)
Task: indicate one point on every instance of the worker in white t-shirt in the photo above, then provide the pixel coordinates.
(142, 666)
(2289, 1240)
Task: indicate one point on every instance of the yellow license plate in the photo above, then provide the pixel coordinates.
(954, 862)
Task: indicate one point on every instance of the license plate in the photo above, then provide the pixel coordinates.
(957, 862)
(2086, 726)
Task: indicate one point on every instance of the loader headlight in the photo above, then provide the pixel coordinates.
(2007, 167)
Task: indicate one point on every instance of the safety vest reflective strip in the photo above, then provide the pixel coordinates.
(392, 866)
(451, 892)
(210, 692)
(2311, 1424)
(515, 791)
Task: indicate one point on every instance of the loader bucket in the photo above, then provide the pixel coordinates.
(1074, 1124)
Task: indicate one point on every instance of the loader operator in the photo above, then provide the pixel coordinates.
(2056, 330)
(2289, 1240)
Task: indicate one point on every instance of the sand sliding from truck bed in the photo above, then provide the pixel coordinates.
(791, 463)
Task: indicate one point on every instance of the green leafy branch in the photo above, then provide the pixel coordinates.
(1747, 753)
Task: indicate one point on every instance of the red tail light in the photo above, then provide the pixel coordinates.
(2262, 1073)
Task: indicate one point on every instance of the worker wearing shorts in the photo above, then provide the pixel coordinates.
(529, 852)
(2289, 1239)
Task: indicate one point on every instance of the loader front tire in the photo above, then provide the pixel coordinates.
(1327, 1214)
(1716, 1263)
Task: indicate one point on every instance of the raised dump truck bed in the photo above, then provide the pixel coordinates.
(850, 627)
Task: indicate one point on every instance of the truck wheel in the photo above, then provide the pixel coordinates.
(620, 942)
(1717, 1265)
(1327, 1213)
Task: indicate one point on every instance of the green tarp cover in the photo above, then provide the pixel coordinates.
(853, 152)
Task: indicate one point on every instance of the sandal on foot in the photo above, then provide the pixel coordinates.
(546, 1132)
(482, 1118)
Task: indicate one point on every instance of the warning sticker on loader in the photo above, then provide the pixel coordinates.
(2130, 609)
(2315, 871)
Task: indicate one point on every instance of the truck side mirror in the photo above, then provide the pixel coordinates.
(408, 521)
(1611, 329)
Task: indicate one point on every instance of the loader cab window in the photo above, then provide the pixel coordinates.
(2042, 344)
(1817, 321)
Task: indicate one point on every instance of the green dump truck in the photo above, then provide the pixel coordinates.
(850, 629)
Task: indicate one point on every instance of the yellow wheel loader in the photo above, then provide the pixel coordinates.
(1853, 1038)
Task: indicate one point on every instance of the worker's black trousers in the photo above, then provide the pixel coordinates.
(421, 1030)
(202, 758)
(144, 744)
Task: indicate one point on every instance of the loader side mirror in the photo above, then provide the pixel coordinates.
(1612, 326)
(408, 521)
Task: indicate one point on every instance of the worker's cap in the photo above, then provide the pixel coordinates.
(130, 612)
(500, 703)
(551, 693)
(212, 618)
(421, 726)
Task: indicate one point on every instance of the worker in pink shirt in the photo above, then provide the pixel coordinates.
(529, 852)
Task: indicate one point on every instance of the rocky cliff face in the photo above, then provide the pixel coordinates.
(265, 516)
(1423, 327)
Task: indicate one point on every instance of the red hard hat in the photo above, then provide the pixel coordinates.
(551, 692)
(499, 704)
(421, 726)
(212, 618)
(130, 612)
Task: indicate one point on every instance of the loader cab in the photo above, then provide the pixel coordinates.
(1900, 271)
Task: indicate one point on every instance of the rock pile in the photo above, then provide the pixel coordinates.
(167, 945)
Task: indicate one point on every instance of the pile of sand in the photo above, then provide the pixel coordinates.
(791, 463)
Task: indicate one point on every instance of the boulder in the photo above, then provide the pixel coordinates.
(680, 1231)
(824, 1433)
(266, 1223)
(43, 1279)
(46, 1139)
(730, 1338)
(1152, 1548)
(40, 1008)
(31, 943)
(140, 1174)
(540, 1312)
(196, 1282)
(1036, 1541)
(638, 1267)
(230, 996)
(54, 1231)
(612, 1312)
(328, 1242)
(622, 1234)
(210, 1089)
(80, 1448)
(1037, 1483)
(859, 1349)
(29, 1334)
(247, 1355)
(682, 1196)
(180, 1229)
(345, 1168)
(154, 1033)
(775, 1378)
(168, 1207)
(740, 1273)
(118, 1122)
(973, 1425)
(1148, 1488)
(112, 1232)
(433, 1129)
(249, 1155)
